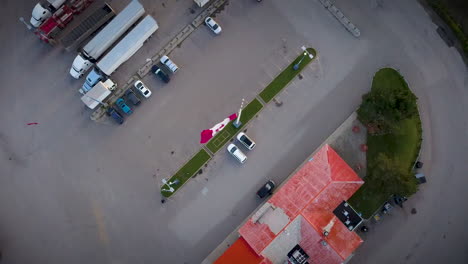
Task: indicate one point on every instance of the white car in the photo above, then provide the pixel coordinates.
(246, 141)
(169, 64)
(142, 89)
(237, 153)
(213, 25)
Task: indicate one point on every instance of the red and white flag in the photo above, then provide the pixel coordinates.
(207, 134)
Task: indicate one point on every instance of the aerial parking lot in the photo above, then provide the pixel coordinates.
(78, 191)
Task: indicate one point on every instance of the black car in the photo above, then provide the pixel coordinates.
(131, 96)
(266, 189)
(160, 73)
(115, 115)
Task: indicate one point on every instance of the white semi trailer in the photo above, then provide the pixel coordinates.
(128, 46)
(105, 38)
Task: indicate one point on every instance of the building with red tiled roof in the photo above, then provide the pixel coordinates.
(307, 217)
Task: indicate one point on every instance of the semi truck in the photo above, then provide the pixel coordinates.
(96, 47)
(43, 10)
(88, 26)
(52, 31)
(56, 22)
(128, 46)
(48, 30)
(100, 92)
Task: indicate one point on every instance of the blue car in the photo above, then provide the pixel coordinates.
(115, 115)
(125, 108)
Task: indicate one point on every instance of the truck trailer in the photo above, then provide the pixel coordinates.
(88, 26)
(96, 47)
(128, 46)
(98, 94)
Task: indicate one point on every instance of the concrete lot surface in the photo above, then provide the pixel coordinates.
(74, 191)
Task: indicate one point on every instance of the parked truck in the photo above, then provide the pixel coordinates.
(43, 10)
(53, 26)
(128, 46)
(88, 26)
(96, 47)
(98, 94)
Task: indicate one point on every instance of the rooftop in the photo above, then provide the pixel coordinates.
(301, 213)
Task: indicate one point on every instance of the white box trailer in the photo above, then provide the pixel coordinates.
(105, 38)
(95, 96)
(128, 46)
(201, 3)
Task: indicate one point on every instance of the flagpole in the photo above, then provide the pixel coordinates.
(238, 123)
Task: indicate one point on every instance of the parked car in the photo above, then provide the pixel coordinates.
(237, 153)
(115, 115)
(266, 189)
(160, 73)
(142, 89)
(122, 105)
(211, 23)
(246, 141)
(131, 96)
(169, 64)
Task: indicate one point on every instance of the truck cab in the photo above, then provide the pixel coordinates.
(93, 77)
(80, 67)
(44, 10)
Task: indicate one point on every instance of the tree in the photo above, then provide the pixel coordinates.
(384, 107)
(390, 176)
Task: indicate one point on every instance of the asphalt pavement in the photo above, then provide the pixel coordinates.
(74, 191)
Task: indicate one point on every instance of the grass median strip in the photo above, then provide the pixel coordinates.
(187, 171)
(194, 165)
(224, 136)
(286, 76)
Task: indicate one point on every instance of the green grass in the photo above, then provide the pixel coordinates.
(229, 131)
(403, 144)
(187, 171)
(285, 77)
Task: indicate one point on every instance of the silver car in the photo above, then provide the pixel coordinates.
(237, 153)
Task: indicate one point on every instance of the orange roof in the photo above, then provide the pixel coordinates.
(311, 194)
(239, 252)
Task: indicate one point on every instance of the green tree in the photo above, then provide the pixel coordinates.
(384, 107)
(392, 177)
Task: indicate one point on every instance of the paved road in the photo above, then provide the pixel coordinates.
(73, 191)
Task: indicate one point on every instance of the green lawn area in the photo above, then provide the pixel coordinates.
(286, 76)
(187, 171)
(404, 144)
(227, 133)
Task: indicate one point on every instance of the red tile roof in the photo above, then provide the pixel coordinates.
(312, 193)
(239, 252)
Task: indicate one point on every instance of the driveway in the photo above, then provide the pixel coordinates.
(73, 191)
